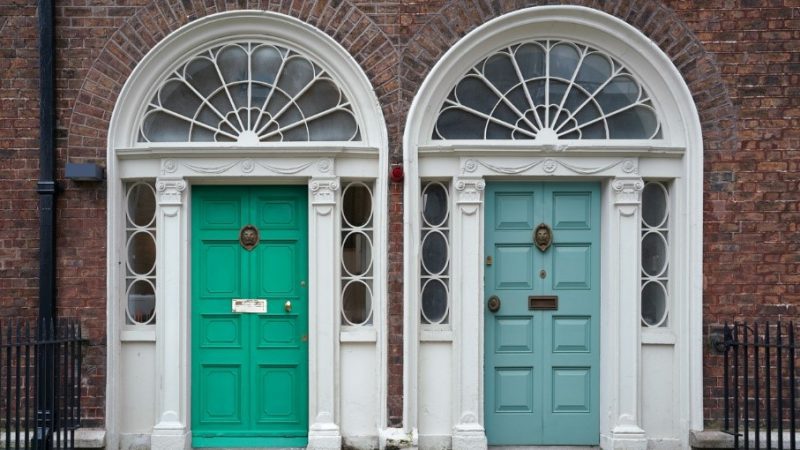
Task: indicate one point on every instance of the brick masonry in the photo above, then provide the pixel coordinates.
(740, 59)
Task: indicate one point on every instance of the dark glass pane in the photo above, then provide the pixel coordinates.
(563, 60)
(356, 254)
(594, 71)
(499, 70)
(531, 60)
(434, 301)
(654, 303)
(654, 254)
(454, 123)
(434, 252)
(654, 205)
(141, 253)
(357, 205)
(141, 302)
(434, 204)
(141, 205)
(357, 303)
(619, 93)
(636, 123)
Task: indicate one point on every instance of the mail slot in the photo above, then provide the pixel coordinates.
(543, 302)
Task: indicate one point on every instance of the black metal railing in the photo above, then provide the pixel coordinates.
(40, 384)
(761, 384)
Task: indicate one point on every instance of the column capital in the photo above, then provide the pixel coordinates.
(469, 193)
(627, 190)
(323, 193)
(170, 191)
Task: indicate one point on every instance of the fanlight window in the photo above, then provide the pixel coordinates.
(549, 90)
(247, 93)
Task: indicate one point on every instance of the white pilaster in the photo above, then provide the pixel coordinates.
(625, 329)
(467, 308)
(322, 331)
(170, 432)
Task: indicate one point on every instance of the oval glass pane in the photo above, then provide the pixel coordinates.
(141, 302)
(434, 205)
(654, 254)
(654, 304)
(435, 253)
(357, 205)
(141, 253)
(654, 204)
(356, 254)
(141, 205)
(434, 301)
(357, 303)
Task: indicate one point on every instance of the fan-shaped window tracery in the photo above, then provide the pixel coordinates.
(247, 93)
(548, 89)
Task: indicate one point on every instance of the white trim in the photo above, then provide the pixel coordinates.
(678, 156)
(318, 165)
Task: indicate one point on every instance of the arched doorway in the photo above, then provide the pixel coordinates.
(570, 118)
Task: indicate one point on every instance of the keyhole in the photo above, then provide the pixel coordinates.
(542, 274)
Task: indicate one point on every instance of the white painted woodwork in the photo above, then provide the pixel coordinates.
(628, 377)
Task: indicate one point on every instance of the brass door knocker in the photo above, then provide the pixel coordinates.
(543, 236)
(248, 237)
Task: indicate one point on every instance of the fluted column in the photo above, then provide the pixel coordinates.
(324, 430)
(170, 432)
(467, 301)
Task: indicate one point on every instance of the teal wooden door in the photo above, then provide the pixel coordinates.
(542, 366)
(249, 370)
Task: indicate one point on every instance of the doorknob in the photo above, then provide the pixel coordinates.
(288, 306)
(494, 303)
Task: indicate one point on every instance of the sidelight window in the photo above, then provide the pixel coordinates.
(655, 254)
(140, 251)
(435, 254)
(357, 260)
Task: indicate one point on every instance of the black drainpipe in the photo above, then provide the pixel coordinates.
(46, 187)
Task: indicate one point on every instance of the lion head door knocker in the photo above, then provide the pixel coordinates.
(543, 237)
(248, 237)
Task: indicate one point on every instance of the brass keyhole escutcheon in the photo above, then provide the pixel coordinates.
(543, 236)
(494, 303)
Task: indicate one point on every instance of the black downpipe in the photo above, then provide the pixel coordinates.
(47, 188)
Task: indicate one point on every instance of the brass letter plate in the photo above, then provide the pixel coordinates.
(543, 302)
(249, 305)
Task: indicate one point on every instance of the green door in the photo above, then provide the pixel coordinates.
(249, 369)
(542, 365)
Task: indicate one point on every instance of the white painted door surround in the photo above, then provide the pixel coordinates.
(442, 417)
(148, 365)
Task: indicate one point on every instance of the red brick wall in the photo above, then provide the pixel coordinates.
(740, 58)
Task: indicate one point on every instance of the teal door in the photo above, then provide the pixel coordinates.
(249, 369)
(542, 365)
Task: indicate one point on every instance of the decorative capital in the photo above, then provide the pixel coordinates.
(170, 191)
(469, 193)
(323, 194)
(628, 190)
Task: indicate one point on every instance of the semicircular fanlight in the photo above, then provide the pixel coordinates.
(548, 89)
(248, 93)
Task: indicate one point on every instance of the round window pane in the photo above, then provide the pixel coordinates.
(141, 253)
(434, 204)
(434, 301)
(654, 304)
(141, 302)
(356, 303)
(654, 254)
(356, 254)
(141, 204)
(654, 204)
(357, 205)
(434, 253)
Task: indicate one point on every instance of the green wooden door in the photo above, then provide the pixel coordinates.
(249, 370)
(542, 366)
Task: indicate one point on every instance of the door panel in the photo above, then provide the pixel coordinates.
(542, 366)
(249, 371)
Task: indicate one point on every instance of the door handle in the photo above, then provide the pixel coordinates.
(288, 306)
(493, 304)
